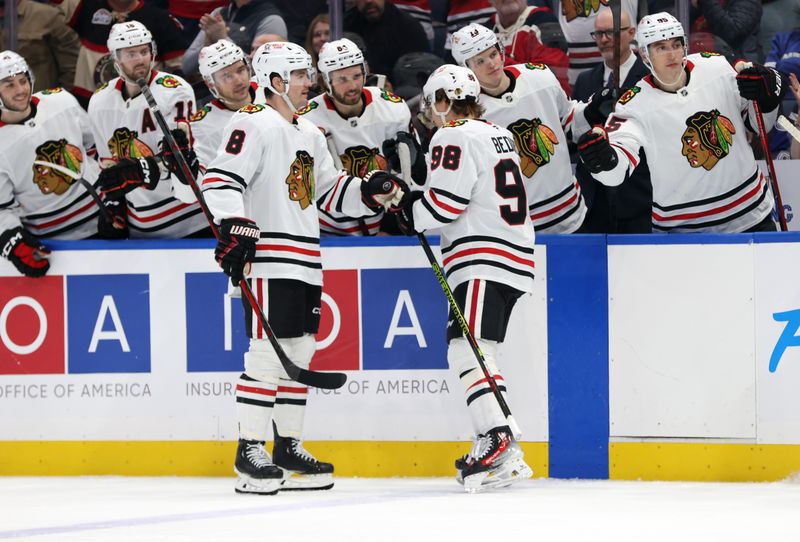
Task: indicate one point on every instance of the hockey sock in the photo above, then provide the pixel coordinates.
(482, 404)
(290, 401)
(256, 391)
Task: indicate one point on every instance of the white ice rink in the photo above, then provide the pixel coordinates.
(112, 509)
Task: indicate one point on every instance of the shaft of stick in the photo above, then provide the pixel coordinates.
(770, 166)
(86, 184)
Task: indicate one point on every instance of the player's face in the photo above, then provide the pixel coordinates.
(233, 82)
(667, 56)
(135, 61)
(15, 91)
(300, 82)
(320, 36)
(347, 84)
(695, 152)
(488, 67)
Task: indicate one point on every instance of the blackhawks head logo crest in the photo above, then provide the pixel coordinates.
(629, 95)
(168, 81)
(300, 180)
(536, 143)
(390, 97)
(125, 143)
(60, 153)
(252, 108)
(200, 113)
(360, 160)
(310, 106)
(708, 138)
(573, 9)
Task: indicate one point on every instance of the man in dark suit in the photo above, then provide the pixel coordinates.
(625, 208)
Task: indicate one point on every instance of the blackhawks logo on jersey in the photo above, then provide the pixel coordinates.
(536, 144)
(389, 97)
(573, 9)
(535, 66)
(454, 123)
(125, 143)
(251, 108)
(310, 106)
(629, 95)
(708, 138)
(60, 153)
(168, 81)
(709, 54)
(54, 90)
(200, 114)
(101, 87)
(360, 160)
(300, 180)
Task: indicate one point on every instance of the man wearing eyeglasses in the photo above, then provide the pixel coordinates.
(623, 209)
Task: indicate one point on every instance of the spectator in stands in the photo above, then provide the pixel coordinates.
(421, 11)
(388, 33)
(517, 27)
(47, 44)
(735, 21)
(794, 85)
(319, 33)
(298, 14)
(625, 208)
(577, 22)
(93, 19)
(784, 55)
(777, 16)
(241, 21)
(189, 12)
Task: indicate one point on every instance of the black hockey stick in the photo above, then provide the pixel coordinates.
(616, 21)
(330, 381)
(405, 167)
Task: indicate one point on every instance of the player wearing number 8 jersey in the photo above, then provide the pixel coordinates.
(476, 197)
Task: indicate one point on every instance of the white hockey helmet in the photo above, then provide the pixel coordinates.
(457, 82)
(472, 40)
(337, 55)
(657, 27)
(217, 56)
(282, 58)
(129, 34)
(12, 63)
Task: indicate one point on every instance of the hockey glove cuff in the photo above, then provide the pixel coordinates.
(115, 225)
(24, 250)
(381, 190)
(184, 141)
(761, 84)
(129, 174)
(596, 152)
(236, 247)
(405, 213)
(599, 107)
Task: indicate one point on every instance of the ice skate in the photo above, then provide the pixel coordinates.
(301, 469)
(496, 460)
(257, 473)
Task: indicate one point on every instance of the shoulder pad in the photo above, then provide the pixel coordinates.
(252, 108)
(390, 97)
(455, 123)
(310, 106)
(200, 113)
(709, 54)
(54, 90)
(629, 95)
(168, 81)
(535, 66)
(101, 87)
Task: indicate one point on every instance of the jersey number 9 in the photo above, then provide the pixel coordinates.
(514, 215)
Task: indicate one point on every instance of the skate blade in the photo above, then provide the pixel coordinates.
(510, 472)
(267, 486)
(293, 481)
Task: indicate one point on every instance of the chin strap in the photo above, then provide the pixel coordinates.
(442, 115)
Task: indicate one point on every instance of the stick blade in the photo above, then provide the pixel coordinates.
(326, 381)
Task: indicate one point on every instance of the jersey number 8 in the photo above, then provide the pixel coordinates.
(235, 142)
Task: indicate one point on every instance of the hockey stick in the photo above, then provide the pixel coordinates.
(616, 18)
(330, 381)
(405, 169)
(116, 221)
(789, 126)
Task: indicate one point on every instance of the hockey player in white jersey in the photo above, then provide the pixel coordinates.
(270, 170)
(359, 123)
(528, 100)
(126, 133)
(690, 117)
(45, 141)
(476, 198)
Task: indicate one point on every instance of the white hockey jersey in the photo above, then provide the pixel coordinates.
(538, 113)
(207, 125)
(46, 202)
(704, 176)
(476, 196)
(357, 144)
(126, 128)
(274, 172)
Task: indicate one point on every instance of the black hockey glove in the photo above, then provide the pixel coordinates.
(599, 107)
(381, 190)
(236, 247)
(761, 84)
(128, 174)
(184, 143)
(115, 224)
(405, 213)
(417, 159)
(24, 250)
(596, 152)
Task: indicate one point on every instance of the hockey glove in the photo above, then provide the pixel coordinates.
(381, 190)
(599, 107)
(236, 247)
(184, 141)
(405, 213)
(24, 250)
(760, 84)
(417, 159)
(596, 152)
(115, 225)
(128, 174)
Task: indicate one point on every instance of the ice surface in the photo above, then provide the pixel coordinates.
(112, 509)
